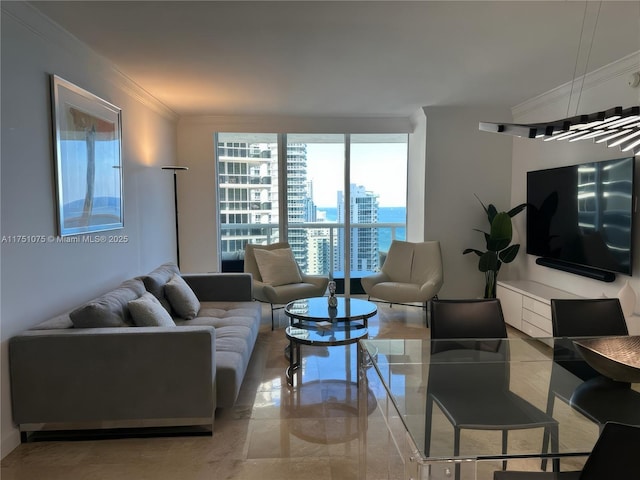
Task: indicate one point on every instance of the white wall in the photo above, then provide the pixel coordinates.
(462, 161)
(39, 281)
(604, 88)
(196, 188)
(416, 178)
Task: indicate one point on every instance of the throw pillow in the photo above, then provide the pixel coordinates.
(277, 267)
(182, 299)
(110, 309)
(157, 279)
(147, 311)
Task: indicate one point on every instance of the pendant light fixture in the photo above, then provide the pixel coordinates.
(616, 127)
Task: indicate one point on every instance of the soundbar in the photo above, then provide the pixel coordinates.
(590, 272)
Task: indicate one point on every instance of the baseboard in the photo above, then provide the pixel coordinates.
(9, 443)
(590, 272)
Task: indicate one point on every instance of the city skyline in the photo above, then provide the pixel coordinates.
(249, 198)
(369, 168)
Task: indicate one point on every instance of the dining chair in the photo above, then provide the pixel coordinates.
(614, 456)
(572, 379)
(469, 374)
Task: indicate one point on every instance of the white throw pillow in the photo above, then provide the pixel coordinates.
(182, 299)
(147, 311)
(277, 267)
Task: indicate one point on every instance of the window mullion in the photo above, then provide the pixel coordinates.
(283, 213)
(347, 214)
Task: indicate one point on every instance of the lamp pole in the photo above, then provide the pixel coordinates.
(175, 169)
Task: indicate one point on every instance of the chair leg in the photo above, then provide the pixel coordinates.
(272, 324)
(554, 433)
(505, 440)
(456, 449)
(547, 433)
(427, 425)
(426, 313)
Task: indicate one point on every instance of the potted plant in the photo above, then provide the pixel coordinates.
(498, 244)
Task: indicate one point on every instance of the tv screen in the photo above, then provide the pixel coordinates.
(583, 214)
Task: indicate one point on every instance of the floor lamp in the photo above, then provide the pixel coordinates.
(176, 169)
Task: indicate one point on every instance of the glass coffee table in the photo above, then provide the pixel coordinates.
(312, 322)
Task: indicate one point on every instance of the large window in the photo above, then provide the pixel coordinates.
(321, 187)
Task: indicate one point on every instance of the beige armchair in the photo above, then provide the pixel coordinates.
(411, 273)
(277, 278)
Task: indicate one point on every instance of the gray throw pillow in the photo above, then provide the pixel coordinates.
(110, 309)
(182, 299)
(155, 281)
(147, 311)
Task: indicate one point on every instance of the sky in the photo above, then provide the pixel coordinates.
(379, 167)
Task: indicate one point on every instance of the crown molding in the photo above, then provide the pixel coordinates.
(625, 66)
(52, 34)
(300, 124)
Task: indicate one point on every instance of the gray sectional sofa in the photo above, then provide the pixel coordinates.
(96, 367)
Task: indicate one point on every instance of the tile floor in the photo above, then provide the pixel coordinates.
(273, 432)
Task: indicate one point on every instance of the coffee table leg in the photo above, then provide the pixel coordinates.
(294, 361)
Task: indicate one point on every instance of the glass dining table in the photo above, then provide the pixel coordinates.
(466, 408)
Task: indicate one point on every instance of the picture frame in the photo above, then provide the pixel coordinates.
(87, 134)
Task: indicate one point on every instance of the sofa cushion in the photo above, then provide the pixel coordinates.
(147, 311)
(58, 322)
(110, 309)
(155, 281)
(182, 299)
(277, 267)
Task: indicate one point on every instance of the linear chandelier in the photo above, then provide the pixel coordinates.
(616, 127)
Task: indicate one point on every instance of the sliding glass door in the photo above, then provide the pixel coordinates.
(315, 173)
(308, 189)
(378, 200)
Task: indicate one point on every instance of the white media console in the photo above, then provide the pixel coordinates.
(526, 305)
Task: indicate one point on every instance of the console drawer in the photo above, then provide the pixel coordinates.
(540, 322)
(536, 306)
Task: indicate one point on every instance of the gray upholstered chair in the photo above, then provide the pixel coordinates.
(411, 273)
(613, 456)
(476, 394)
(574, 382)
(276, 280)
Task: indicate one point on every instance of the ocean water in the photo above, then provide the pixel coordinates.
(385, 215)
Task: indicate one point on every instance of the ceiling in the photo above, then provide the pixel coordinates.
(341, 58)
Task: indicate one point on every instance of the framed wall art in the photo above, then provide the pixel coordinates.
(88, 160)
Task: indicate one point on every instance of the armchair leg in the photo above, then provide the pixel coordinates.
(272, 322)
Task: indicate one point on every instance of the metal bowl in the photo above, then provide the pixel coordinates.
(617, 358)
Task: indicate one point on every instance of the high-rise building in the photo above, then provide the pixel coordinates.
(364, 240)
(248, 196)
(248, 189)
(298, 199)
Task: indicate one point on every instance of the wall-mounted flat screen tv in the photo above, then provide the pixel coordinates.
(583, 214)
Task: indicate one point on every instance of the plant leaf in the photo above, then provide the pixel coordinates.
(501, 232)
(492, 211)
(508, 255)
(516, 210)
(473, 250)
(488, 261)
